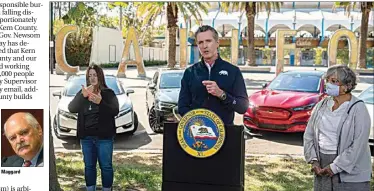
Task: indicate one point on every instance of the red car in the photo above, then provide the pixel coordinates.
(285, 104)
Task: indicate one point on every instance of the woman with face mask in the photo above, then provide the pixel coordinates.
(336, 137)
(97, 106)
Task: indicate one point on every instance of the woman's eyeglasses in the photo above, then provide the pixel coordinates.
(334, 81)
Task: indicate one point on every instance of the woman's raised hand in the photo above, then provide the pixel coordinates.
(95, 98)
(86, 91)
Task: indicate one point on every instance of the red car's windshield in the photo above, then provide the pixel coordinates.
(296, 82)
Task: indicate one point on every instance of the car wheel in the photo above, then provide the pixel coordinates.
(55, 128)
(136, 123)
(153, 121)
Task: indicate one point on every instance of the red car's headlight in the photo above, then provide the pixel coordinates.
(306, 107)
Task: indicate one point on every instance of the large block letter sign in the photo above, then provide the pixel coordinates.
(183, 47)
(131, 38)
(280, 47)
(353, 48)
(60, 41)
(234, 46)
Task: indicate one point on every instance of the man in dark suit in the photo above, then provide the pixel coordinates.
(25, 135)
(212, 83)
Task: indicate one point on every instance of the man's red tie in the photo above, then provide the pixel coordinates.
(27, 163)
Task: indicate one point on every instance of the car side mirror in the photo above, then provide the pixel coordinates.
(57, 94)
(152, 86)
(129, 91)
(264, 85)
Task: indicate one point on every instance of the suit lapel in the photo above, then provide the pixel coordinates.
(40, 158)
(18, 162)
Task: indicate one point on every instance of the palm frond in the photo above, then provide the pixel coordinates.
(194, 9)
(149, 11)
(234, 6)
(348, 7)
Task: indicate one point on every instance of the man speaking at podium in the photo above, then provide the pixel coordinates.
(25, 135)
(212, 83)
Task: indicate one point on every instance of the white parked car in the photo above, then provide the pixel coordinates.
(65, 123)
(368, 97)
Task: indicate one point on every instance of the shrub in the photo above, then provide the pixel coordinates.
(318, 55)
(78, 47)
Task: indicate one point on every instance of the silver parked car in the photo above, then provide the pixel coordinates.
(65, 123)
(162, 94)
(368, 97)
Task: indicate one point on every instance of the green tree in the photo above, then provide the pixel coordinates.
(151, 10)
(81, 15)
(109, 22)
(251, 9)
(121, 5)
(342, 56)
(365, 8)
(128, 18)
(78, 44)
(319, 53)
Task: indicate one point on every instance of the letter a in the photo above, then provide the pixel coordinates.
(131, 37)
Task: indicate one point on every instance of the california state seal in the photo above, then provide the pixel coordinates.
(201, 133)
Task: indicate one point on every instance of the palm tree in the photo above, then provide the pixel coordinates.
(151, 10)
(121, 5)
(365, 10)
(251, 9)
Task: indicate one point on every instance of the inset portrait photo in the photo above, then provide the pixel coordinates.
(22, 138)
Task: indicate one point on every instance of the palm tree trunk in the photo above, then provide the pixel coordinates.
(223, 31)
(59, 10)
(365, 10)
(120, 19)
(172, 29)
(250, 9)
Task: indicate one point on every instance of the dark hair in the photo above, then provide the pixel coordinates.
(205, 28)
(100, 76)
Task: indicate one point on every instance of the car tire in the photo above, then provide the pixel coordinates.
(136, 124)
(153, 121)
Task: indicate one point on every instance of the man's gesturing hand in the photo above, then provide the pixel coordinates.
(212, 88)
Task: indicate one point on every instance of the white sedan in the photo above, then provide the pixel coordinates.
(368, 97)
(65, 123)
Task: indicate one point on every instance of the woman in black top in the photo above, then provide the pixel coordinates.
(97, 106)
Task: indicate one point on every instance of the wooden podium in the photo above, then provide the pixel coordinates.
(223, 171)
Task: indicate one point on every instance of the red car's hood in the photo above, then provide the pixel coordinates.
(283, 99)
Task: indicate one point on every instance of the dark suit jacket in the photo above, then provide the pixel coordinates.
(16, 161)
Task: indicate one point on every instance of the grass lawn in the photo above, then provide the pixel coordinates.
(143, 172)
